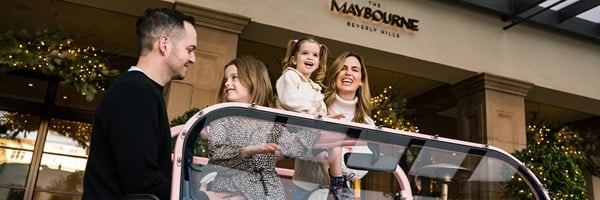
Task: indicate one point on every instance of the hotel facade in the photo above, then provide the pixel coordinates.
(469, 70)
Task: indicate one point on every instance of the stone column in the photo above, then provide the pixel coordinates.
(491, 110)
(218, 34)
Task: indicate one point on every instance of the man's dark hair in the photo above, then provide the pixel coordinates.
(159, 21)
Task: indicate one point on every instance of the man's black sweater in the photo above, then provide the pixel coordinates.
(130, 150)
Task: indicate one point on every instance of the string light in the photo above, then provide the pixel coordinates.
(44, 52)
(390, 111)
(553, 153)
(78, 131)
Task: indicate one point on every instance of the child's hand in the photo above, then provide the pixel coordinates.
(260, 148)
(316, 104)
(224, 195)
(336, 116)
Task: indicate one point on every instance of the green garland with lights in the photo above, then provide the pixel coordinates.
(45, 52)
(390, 111)
(556, 158)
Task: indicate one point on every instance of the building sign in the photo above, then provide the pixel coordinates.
(373, 13)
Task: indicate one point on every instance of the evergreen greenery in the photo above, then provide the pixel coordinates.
(555, 168)
(45, 52)
(555, 156)
(185, 117)
(200, 147)
(389, 110)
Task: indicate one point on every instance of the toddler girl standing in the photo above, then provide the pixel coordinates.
(299, 89)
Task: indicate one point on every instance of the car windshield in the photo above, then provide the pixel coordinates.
(379, 163)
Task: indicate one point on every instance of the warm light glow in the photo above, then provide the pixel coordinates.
(54, 55)
(390, 111)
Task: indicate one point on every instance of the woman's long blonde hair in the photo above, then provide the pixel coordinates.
(292, 50)
(363, 106)
(253, 74)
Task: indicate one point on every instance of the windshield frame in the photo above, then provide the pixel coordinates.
(183, 157)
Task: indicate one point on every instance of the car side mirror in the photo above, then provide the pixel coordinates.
(140, 197)
(371, 162)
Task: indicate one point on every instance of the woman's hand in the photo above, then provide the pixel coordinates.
(260, 148)
(336, 116)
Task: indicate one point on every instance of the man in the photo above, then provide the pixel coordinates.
(130, 151)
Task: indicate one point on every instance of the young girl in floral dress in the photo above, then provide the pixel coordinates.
(244, 151)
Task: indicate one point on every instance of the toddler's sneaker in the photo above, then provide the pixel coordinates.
(340, 190)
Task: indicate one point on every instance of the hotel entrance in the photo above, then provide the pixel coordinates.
(457, 71)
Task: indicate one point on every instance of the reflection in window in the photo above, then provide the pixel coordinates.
(422, 168)
(53, 196)
(438, 173)
(11, 193)
(237, 131)
(63, 161)
(68, 137)
(61, 173)
(13, 171)
(18, 133)
(18, 130)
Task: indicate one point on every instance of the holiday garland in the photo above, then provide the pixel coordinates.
(47, 53)
(556, 157)
(389, 110)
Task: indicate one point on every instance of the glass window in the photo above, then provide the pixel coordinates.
(68, 137)
(18, 133)
(63, 161)
(14, 166)
(455, 174)
(18, 130)
(53, 196)
(381, 163)
(300, 145)
(61, 173)
(11, 193)
(23, 88)
(67, 96)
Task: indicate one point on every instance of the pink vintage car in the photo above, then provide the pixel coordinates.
(400, 165)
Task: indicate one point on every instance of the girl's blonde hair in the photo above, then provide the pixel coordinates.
(363, 106)
(292, 50)
(253, 74)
